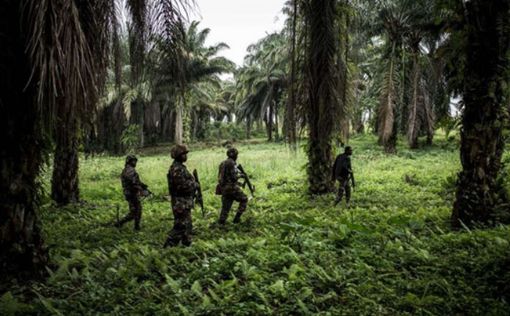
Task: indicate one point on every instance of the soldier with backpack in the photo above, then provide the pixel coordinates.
(182, 187)
(229, 187)
(133, 190)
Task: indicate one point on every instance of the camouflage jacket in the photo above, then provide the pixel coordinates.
(181, 182)
(131, 183)
(228, 173)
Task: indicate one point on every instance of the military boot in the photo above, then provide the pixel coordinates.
(237, 218)
(223, 218)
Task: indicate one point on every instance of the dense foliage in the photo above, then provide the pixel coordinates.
(392, 253)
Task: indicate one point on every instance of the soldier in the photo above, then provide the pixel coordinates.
(133, 188)
(181, 186)
(342, 171)
(230, 189)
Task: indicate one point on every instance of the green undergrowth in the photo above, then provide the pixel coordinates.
(392, 252)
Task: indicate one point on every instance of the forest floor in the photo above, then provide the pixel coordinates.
(392, 252)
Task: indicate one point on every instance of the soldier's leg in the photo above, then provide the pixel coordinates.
(137, 213)
(175, 235)
(347, 192)
(226, 205)
(188, 224)
(240, 197)
(340, 192)
(130, 216)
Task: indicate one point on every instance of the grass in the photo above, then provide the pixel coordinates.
(391, 253)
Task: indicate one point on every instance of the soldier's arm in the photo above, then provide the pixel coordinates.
(169, 181)
(351, 172)
(183, 181)
(137, 183)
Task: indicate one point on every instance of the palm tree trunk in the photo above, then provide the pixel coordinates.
(412, 130)
(179, 128)
(276, 127)
(290, 122)
(249, 124)
(269, 122)
(387, 121)
(22, 247)
(322, 92)
(485, 82)
(64, 182)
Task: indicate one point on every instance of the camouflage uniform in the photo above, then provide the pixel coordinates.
(230, 190)
(132, 187)
(342, 171)
(181, 186)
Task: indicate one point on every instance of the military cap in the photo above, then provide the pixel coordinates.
(178, 150)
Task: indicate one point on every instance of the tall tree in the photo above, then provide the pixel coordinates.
(484, 90)
(322, 106)
(197, 63)
(262, 82)
(393, 19)
(290, 111)
(50, 67)
(48, 71)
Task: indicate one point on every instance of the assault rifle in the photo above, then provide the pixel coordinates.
(145, 191)
(198, 192)
(246, 180)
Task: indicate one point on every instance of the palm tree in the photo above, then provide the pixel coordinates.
(421, 116)
(394, 20)
(322, 105)
(198, 63)
(482, 68)
(262, 82)
(53, 62)
(36, 95)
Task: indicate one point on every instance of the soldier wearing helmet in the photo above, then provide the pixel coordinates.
(181, 186)
(230, 188)
(133, 188)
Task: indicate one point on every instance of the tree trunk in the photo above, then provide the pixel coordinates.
(179, 128)
(387, 127)
(64, 182)
(276, 127)
(412, 124)
(22, 248)
(249, 124)
(485, 84)
(322, 100)
(269, 123)
(290, 122)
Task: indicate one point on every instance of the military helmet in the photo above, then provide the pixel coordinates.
(232, 152)
(178, 150)
(130, 158)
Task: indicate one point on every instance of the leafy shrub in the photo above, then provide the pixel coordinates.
(130, 138)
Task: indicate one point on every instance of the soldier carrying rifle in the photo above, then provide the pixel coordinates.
(182, 187)
(229, 187)
(133, 190)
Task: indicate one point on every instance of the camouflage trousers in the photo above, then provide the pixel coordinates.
(183, 226)
(135, 211)
(229, 194)
(344, 186)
